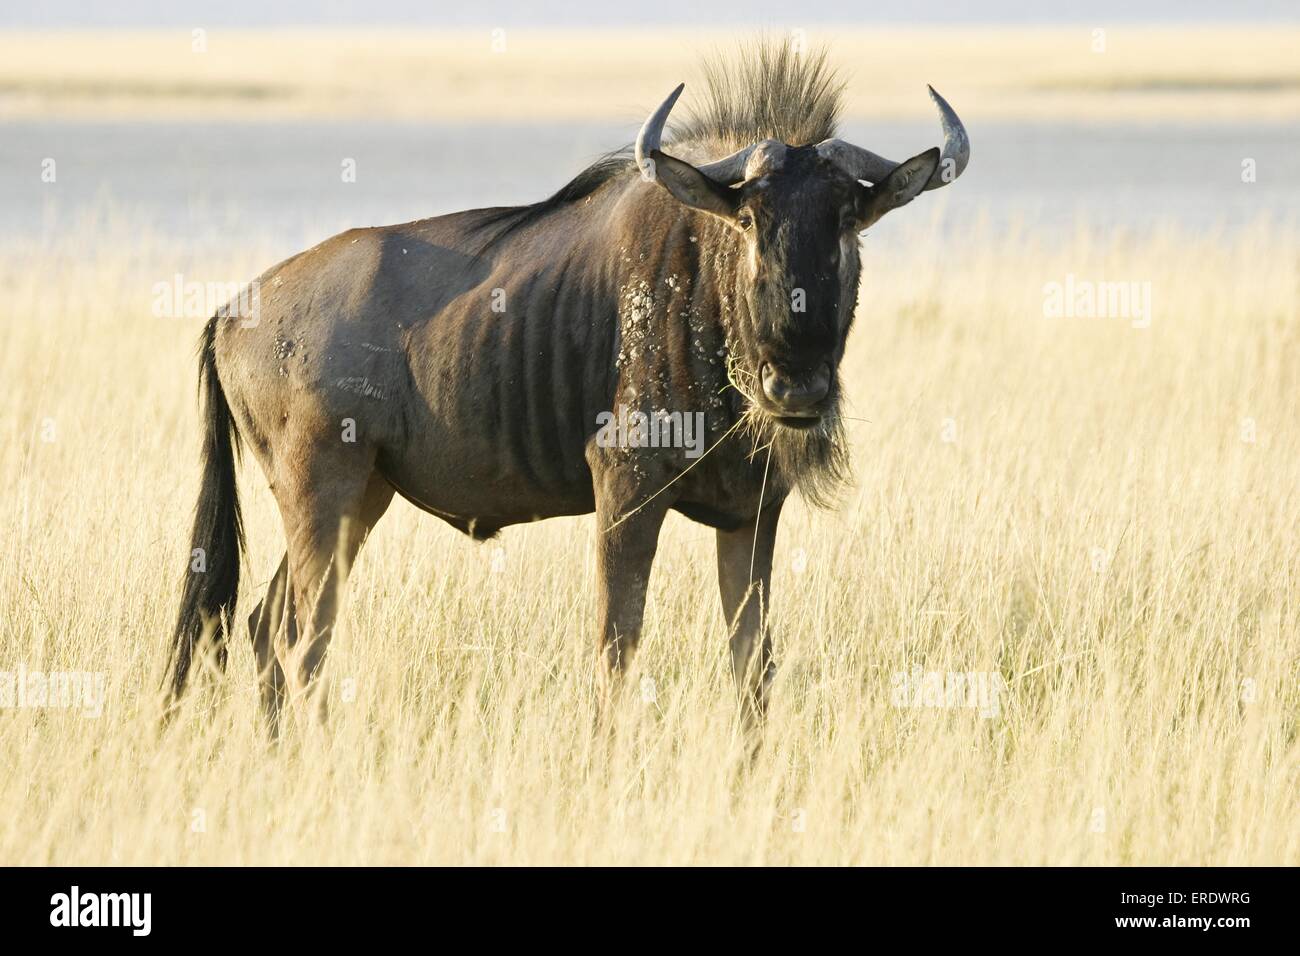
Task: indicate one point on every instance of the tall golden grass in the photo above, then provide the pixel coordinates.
(1105, 516)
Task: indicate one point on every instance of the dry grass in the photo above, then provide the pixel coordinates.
(1144, 73)
(1097, 532)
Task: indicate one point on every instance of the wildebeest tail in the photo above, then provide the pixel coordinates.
(212, 578)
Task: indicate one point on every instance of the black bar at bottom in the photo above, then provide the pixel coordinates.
(338, 905)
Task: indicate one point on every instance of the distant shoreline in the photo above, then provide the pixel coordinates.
(1128, 72)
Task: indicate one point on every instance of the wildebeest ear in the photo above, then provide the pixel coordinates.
(693, 188)
(903, 184)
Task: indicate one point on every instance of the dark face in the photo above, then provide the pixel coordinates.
(798, 214)
(799, 281)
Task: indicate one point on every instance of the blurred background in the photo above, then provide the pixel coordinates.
(1099, 510)
(208, 122)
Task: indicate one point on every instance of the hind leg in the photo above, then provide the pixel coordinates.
(274, 612)
(329, 506)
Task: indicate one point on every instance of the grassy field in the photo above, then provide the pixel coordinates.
(1124, 72)
(1101, 517)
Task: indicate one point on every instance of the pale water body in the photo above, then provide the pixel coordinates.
(215, 183)
(777, 14)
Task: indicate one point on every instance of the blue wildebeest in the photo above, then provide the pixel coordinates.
(465, 361)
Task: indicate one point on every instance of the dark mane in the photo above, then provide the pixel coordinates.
(769, 90)
(500, 221)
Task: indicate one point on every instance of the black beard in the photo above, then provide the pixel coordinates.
(815, 460)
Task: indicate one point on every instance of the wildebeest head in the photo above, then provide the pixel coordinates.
(798, 210)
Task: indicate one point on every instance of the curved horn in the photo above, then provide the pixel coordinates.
(728, 170)
(956, 144)
(864, 164)
(652, 133)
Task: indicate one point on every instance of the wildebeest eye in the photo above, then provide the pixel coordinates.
(745, 220)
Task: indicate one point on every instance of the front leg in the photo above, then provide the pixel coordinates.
(627, 531)
(745, 584)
